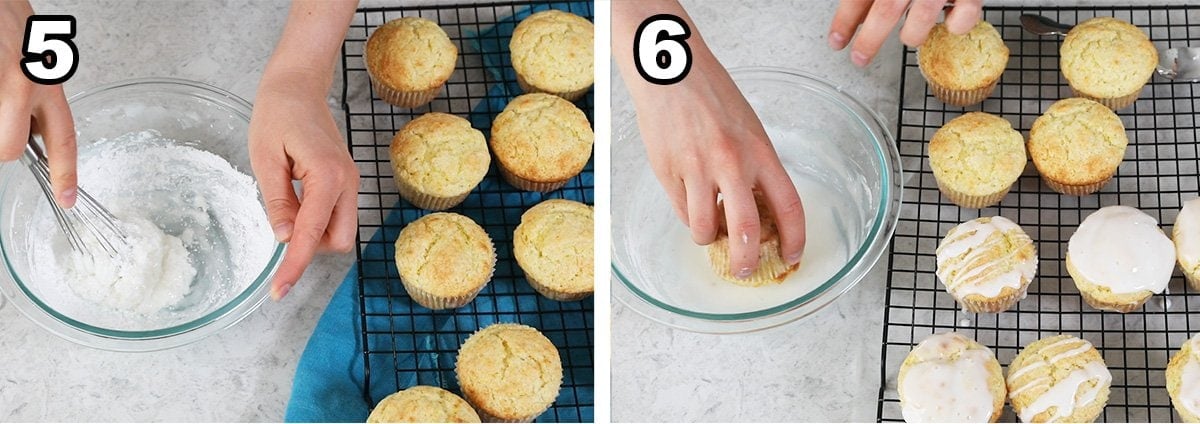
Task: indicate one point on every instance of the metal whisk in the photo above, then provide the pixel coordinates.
(86, 220)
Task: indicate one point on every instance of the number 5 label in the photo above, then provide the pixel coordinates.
(50, 56)
(659, 50)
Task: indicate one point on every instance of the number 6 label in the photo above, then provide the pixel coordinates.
(659, 50)
(50, 56)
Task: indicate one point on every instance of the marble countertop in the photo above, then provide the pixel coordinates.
(796, 372)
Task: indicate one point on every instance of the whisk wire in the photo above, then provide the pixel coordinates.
(99, 224)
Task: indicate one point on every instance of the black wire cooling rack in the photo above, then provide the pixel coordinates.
(403, 343)
(1158, 174)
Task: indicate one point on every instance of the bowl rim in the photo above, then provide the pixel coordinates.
(867, 253)
(239, 307)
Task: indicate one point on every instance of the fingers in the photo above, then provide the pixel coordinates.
(741, 216)
(963, 16)
(883, 16)
(785, 205)
(921, 17)
(678, 195)
(702, 211)
(320, 197)
(14, 127)
(343, 223)
(275, 182)
(849, 15)
(57, 127)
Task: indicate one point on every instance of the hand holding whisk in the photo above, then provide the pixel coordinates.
(88, 226)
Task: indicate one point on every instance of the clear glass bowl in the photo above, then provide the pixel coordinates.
(196, 114)
(845, 166)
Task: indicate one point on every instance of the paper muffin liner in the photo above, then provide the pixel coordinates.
(489, 418)
(961, 97)
(554, 294)
(1114, 103)
(1102, 304)
(570, 96)
(1075, 190)
(973, 201)
(427, 201)
(409, 99)
(771, 268)
(994, 305)
(528, 185)
(432, 301)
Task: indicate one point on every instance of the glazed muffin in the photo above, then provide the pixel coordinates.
(444, 260)
(1119, 257)
(976, 158)
(962, 70)
(1058, 379)
(1186, 235)
(986, 264)
(1108, 60)
(950, 378)
(541, 141)
(423, 404)
(509, 372)
(553, 245)
(437, 159)
(1183, 380)
(772, 268)
(552, 53)
(409, 60)
(1077, 146)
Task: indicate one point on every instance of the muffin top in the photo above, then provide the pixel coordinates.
(950, 378)
(977, 154)
(1107, 57)
(1183, 379)
(552, 50)
(423, 404)
(446, 254)
(509, 371)
(1058, 379)
(984, 256)
(553, 245)
(1186, 235)
(1077, 142)
(1122, 250)
(963, 62)
(410, 54)
(440, 154)
(542, 138)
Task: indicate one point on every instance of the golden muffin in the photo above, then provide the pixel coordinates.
(509, 372)
(1058, 379)
(437, 159)
(950, 378)
(541, 141)
(409, 60)
(552, 52)
(986, 264)
(962, 70)
(1077, 146)
(1183, 380)
(976, 158)
(772, 268)
(553, 245)
(1186, 235)
(1108, 60)
(1118, 258)
(444, 260)
(423, 404)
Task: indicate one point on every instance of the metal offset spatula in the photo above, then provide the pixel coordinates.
(1176, 64)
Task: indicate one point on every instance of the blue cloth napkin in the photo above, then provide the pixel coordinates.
(330, 380)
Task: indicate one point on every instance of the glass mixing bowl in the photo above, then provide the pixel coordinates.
(195, 114)
(847, 170)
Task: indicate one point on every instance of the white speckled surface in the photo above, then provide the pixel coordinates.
(825, 368)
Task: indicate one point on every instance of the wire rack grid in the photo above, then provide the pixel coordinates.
(1158, 174)
(404, 344)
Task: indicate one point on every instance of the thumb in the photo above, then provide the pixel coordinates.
(280, 199)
